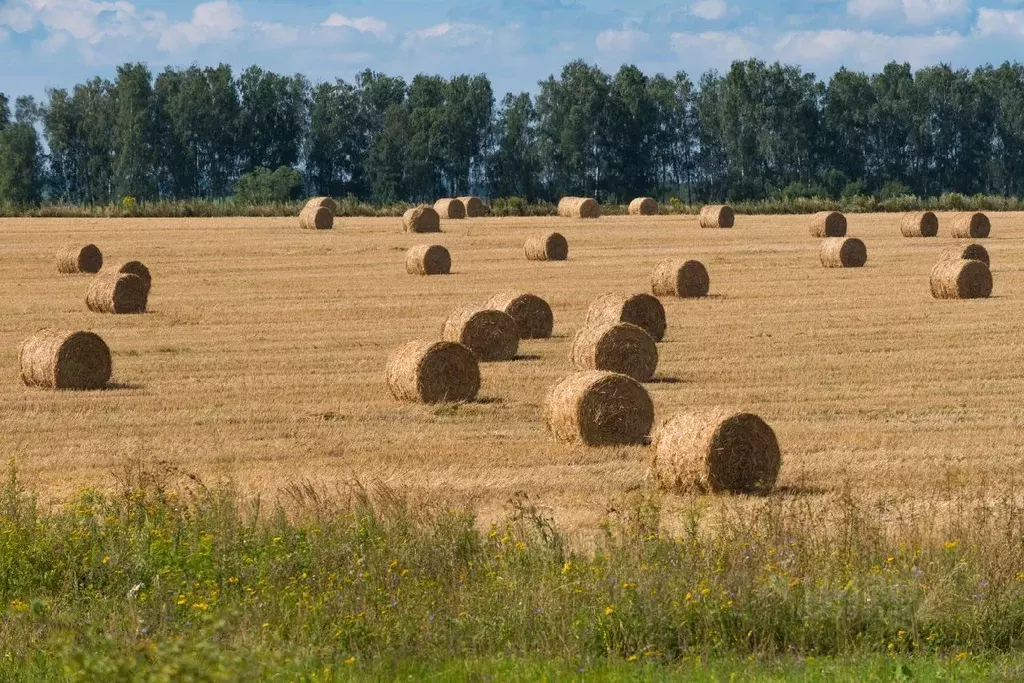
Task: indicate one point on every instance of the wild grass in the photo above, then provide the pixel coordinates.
(167, 575)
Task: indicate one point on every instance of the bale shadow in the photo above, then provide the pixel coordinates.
(794, 490)
(489, 401)
(665, 380)
(527, 357)
(123, 386)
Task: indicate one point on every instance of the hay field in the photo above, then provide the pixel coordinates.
(262, 357)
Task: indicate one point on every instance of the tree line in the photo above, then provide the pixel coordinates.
(757, 131)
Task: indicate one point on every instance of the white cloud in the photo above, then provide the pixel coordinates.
(919, 12)
(865, 49)
(626, 40)
(865, 9)
(84, 20)
(726, 46)
(275, 34)
(709, 9)
(361, 24)
(211, 22)
(447, 34)
(993, 22)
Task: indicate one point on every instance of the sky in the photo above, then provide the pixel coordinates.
(57, 43)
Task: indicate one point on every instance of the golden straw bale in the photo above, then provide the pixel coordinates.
(433, 372)
(970, 225)
(74, 258)
(452, 209)
(492, 335)
(323, 202)
(428, 259)
(549, 247)
(716, 451)
(920, 224)
(843, 252)
(616, 347)
(684, 279)
(717, 216)
(965, 279)
(597, 408)
(475, 208)
(828, 224)
(316, 218)
(578, 207)
(971, 252)
(532, 314)
(643, 206)
(62, 359)
(133, 268)
(113, 292)
(421, 219)
(642, 310)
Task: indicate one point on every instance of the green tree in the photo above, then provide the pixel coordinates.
(273, 118)
(135, 139)
(261, 186)
(629, 133)
(336, 140)
(513, 166)
(20, 165)
(673, 148)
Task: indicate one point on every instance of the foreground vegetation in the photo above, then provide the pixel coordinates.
(167, 578)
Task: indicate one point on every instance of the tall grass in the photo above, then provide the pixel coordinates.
(166, 573)
(513, 206)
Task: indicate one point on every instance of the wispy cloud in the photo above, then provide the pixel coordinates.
(447, 34)
(994, 22)
(709, 9)
(625, 40)
(362, 24)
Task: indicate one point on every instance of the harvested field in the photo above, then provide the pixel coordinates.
(262, 358)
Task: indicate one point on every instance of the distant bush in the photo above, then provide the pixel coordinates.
(260, 186)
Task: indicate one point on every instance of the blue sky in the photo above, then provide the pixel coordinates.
(56, 43)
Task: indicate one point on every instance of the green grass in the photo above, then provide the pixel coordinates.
(166, 579)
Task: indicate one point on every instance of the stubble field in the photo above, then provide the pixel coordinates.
(261, 360)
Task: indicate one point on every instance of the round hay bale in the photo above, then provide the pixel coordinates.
(717, 216)
(616, 347)
(433, 372)
(964, 279)
(828, 224)
(62, 359)
(452, 209)
(421, 219)
(684, 279)
(490, 334)
(475, 208)
(970, 225)
(113, 292)
(643, 206)
(921, 224)
(322, 202)
(533, 315)
(316, 218)
(73, 258)
(428, 259)
(642, 310)
(599, 409)
(843, 252)
(578, 207)
(134, 268)
(550, 247)
(716, 451)
(970, 252)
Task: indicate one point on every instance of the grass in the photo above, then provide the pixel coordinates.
(166, 578)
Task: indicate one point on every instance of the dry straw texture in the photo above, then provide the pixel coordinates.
(716, 451)
(961, 280)
(616, 347)
(113, 292)
(642, 310)
(685, 279)
(599, 409)
(61, 359)
(433, 372)
(474, 207)
(73, 258)
(452, 209)
(316, 218)
(843, 252)
(323, 202)
(532, 314)
(717, 216)
(134, 268)
(578, 207)
(970, 225)
(550, 247)
(490, 334)
(828, 224)
(643, 206)
(925, 224)
(972, 252)
(421, 219)
(428, 259)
